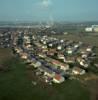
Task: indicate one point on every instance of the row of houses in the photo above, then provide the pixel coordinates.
(53, 57)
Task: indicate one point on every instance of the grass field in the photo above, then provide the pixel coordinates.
(5, 54)
(89, 39)
(16, 84)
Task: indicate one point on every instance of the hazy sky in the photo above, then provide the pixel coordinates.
(58, 10)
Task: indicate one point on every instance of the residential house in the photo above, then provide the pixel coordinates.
(70, 59)
(36, 64)
(78, 71)
(24, 55)
(58, 79)
(89, 49)
(61, 56)
(18, 50)
(60, 64)
(70, 50)
(47, 71)
(42, 55)
(83, 62)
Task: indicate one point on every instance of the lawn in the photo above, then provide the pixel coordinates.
(16, 84)
(89, 39)
(5, 54)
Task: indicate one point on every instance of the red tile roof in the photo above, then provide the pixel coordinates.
(57, 77)
(57, 62)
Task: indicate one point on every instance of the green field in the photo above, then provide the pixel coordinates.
(16, 84)
(89, 39)
(5, 54)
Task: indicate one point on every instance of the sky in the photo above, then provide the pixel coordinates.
(43, 10)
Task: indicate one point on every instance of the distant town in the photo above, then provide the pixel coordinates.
(53, 58)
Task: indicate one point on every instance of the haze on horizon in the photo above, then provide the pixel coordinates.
(43, 10)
